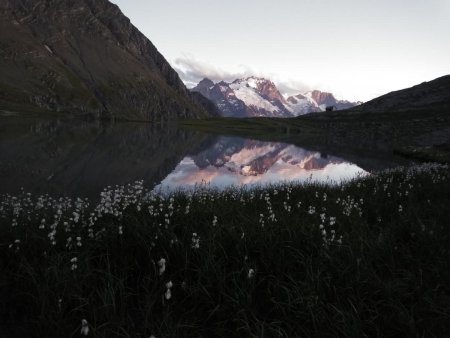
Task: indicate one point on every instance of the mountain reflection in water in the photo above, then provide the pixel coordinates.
(235, 161)
(80, 159)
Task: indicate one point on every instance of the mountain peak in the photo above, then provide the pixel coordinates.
(254, 81)
(206, 82)
(257, 78)
(323, 98)
(204, 87)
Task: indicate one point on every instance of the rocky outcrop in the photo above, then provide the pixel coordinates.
(85, 57)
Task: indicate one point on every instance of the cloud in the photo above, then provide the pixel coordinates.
(292, 87)
(192, 71)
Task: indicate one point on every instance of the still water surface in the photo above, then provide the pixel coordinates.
(75, 158)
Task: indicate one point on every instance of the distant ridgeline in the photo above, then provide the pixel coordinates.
(85, 57)
(433, 94)
(255, 96)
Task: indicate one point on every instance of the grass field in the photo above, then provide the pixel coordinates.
(369, 257)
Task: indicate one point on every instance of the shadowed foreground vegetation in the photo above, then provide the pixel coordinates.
(370, 257)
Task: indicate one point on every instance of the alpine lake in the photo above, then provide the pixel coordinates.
(76, 158)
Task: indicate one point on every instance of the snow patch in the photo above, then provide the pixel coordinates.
(251, 97)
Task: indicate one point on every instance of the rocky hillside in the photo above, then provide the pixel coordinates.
(255, 96)
(85, 57)
(427, 95)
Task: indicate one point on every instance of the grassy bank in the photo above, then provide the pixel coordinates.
(437, 153)
(353, 132)
(369, 257)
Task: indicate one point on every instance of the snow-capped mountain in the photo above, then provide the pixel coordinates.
(261, 97)
(301, 104)
(324, 99)
(247, 97)
(223, 96)
(254, 96)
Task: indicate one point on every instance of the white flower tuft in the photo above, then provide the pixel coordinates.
(162, 266)
(84, 327)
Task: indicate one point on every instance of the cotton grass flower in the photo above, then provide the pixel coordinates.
(261, 220)
(74, 265)
(195, 241)
(168, 293)
(84, 327)
(162, 266)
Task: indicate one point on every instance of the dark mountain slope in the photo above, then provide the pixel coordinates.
(427, 95)
(84, 56)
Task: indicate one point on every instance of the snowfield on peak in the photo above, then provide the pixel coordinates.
(252, 82)
(300, 105)
(252, 98)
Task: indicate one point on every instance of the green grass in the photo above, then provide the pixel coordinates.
(370, 257)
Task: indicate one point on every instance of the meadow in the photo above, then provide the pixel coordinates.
(367, 257)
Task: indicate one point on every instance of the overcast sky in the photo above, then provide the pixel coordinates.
(357, 49)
